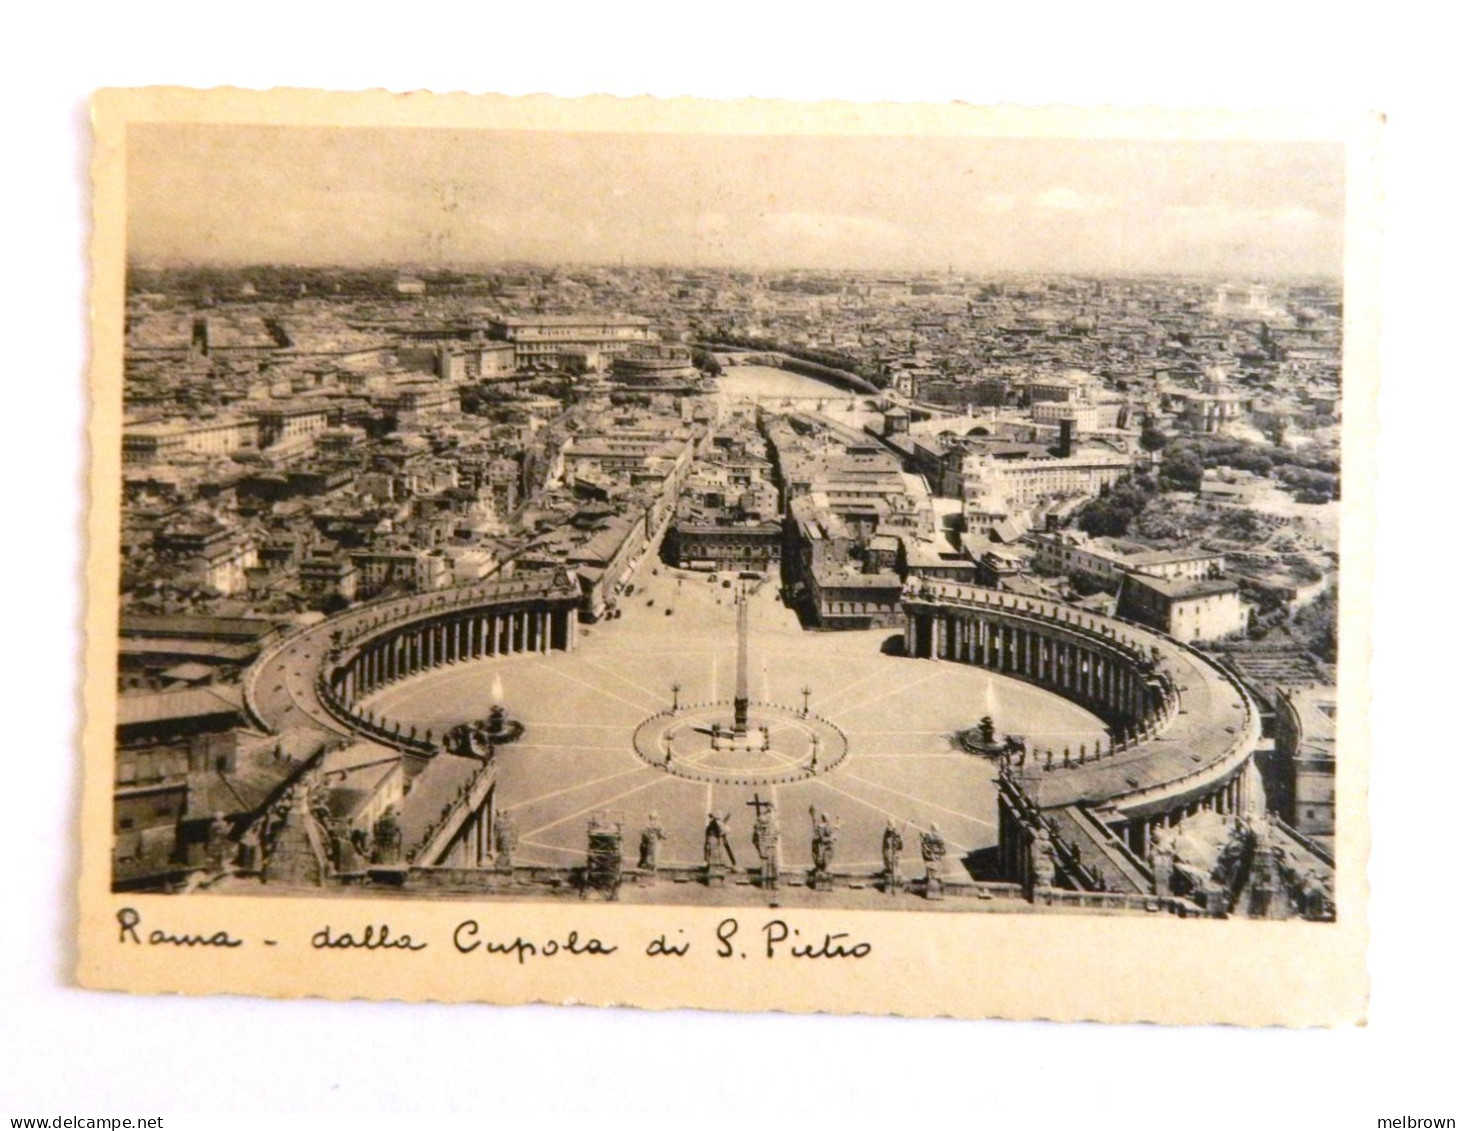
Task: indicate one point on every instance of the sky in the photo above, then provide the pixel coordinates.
(439, 197)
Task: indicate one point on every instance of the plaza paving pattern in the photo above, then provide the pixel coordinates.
(581, 708)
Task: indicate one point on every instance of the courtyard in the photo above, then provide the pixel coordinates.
(583, 711)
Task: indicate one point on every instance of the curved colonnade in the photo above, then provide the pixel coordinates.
(349, 656)
(320, 676)
(1181, 730)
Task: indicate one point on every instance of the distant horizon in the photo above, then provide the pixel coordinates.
(247, 194)
(471, 268)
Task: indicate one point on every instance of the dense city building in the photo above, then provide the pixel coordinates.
(1187, 609)
(545, 339)
(1305, 746)
(556, 493)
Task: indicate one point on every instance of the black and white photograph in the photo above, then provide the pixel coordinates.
(704, 519)
(580, 543)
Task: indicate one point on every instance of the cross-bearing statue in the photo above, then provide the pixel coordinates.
(715, 843)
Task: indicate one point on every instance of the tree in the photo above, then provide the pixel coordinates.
(1152, 439)
(1252, 460)
(1317, 625)
(1117, 507)
(706, 362)
(1104, 518)
(1181, 469)
(1085, 585)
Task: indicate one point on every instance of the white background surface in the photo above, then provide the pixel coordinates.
(67, 1051)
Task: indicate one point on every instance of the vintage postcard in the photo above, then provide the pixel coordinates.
(856, 558)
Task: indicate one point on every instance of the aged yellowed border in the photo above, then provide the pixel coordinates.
(1065, 967)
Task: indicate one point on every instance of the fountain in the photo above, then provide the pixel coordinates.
(479, 739)
(982, 739)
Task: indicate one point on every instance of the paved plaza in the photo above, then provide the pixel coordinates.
(582, 709)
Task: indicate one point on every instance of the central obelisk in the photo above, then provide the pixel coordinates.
(740, 688)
